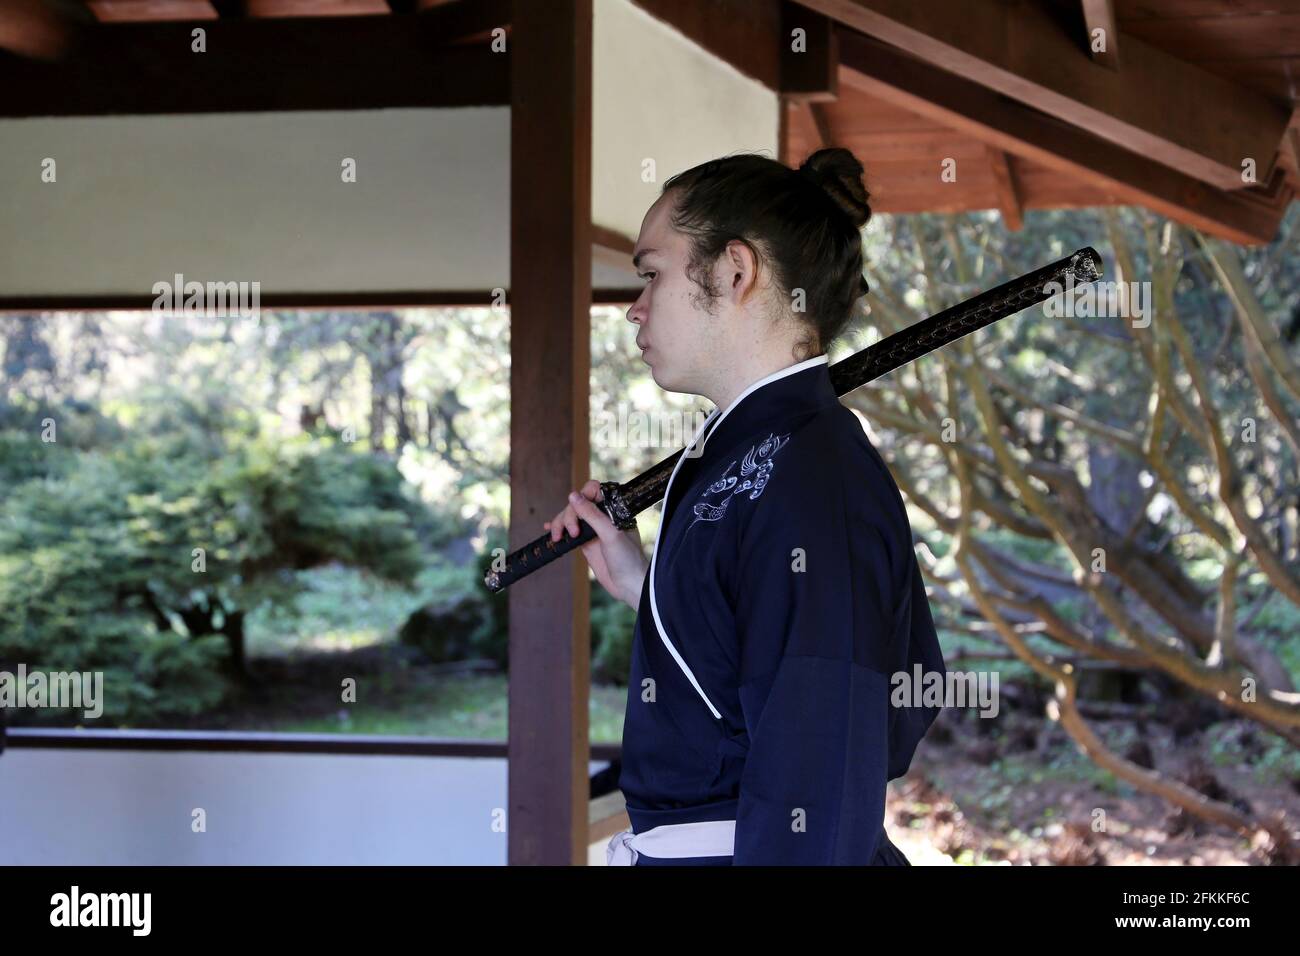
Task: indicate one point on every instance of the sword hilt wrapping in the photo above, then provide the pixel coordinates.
(543, 550)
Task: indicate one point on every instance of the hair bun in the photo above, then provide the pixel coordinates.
(839, 173)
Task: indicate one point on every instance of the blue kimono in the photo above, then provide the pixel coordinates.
(782, 595)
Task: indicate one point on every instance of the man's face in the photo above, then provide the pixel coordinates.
(684, 341)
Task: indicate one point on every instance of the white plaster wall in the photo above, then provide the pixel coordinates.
(114, 807)
(657, 95)
(259, 197)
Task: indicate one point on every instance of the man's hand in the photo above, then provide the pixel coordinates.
(615, 556)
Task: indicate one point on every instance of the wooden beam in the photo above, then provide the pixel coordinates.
(550, 371)
(809, 57)
(614, 242)
(613, 250)
(1171, 111)
(1102, 32)
(783, 107)
(821, 122)
(1289, 150)
(323, 63)
(1004, 182)
(1248, 216)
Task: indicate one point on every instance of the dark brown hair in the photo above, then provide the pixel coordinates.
(805, 224)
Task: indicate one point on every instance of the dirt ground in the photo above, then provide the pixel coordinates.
(1017, 791)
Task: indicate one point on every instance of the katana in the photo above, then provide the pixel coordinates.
(623, 502)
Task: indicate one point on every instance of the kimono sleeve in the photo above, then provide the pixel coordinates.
(814, 617)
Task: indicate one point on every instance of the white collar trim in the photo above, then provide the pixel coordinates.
(654, 554)
(765, 380)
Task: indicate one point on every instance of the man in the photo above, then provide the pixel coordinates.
(783, 590)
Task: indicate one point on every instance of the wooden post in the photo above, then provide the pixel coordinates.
(550, 363)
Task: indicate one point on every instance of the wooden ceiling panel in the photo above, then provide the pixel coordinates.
(856, 113)
(887, 181)
(882, 130)
(1044, 188)
(903, 154)
(926, 148)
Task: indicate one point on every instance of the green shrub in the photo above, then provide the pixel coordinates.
(143, 560)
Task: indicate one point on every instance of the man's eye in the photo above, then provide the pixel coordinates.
(648, 276)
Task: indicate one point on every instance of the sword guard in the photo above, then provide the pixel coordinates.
(615, 506)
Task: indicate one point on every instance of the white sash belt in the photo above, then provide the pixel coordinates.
(673, 841)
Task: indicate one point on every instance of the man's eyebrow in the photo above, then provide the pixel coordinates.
(636, 259)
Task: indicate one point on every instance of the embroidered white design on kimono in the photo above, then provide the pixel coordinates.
(755, 470)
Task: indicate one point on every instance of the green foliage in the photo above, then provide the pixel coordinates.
(22, 459)
(331, 608)
(459, 619)
(100, 550)
(71, 598)
(1274, 759)
(228, 436)
(612, 625)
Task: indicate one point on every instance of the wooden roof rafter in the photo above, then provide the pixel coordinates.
(1004, 178)
(1027, 56)
(1248, 215)
(1099, 20)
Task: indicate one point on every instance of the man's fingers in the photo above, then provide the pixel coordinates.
(588, 512)
(580, 506)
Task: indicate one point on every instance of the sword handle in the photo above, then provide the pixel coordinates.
(543, 550)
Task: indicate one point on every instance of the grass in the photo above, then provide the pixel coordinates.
(337, 609)
(471, 706)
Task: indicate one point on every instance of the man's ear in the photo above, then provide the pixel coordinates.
(742, 268)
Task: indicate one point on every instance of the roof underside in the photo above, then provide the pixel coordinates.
(918, 103)
(1254, 43)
